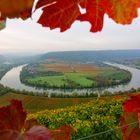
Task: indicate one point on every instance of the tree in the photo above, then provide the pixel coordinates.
(62, 13)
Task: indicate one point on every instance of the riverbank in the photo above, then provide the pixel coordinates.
(4, 69)
(65, 76)
(12, 80)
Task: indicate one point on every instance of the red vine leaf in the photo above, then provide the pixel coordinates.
(63, 133)
(14, 127)
(125, 121)
(58, 13)
(11, 135)
(12, 116)
(41, 3)
(124, 128)
(135, 134)
(95, 10)
(38, 133)
(16, 8)
(62, 13)
(130, 118)
(123, 11)
(133, 104)
(30, 123)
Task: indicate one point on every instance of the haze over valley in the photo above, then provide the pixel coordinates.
(70, 70)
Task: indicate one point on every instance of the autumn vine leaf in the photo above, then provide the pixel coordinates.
(14, 126)
(123, 11)
(95, 10)
(62, 13)
(12, 116)
(135, 134)
(16, 8)
(133, 104)
(58, 14)
(63, 133)
(131, 118)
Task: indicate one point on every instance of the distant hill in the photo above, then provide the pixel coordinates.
(86, 56)
(2, 59)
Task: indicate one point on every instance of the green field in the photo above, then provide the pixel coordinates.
(60, 81)
(61, 75)
(115, 74)
(77, 78)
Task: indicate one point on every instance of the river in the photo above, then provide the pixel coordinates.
(12, 79)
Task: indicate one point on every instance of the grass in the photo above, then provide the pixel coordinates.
(76, 78)
(79, 78)
(51, 80)
(73, 76)
(114, 74)
(59, 81)
(37, 103)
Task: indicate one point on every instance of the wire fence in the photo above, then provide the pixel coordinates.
(98, 135)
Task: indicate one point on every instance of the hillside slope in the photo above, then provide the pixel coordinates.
(85, 56)
(2, 59)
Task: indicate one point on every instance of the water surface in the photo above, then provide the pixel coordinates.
(12, 79)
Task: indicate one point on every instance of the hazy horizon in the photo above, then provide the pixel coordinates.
(35, 54)
(28, 37)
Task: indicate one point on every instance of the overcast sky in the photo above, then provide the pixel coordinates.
(29, 37)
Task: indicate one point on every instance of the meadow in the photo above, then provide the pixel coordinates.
(72, 75)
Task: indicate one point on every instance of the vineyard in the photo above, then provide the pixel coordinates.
(37, 103)
(87, 118)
